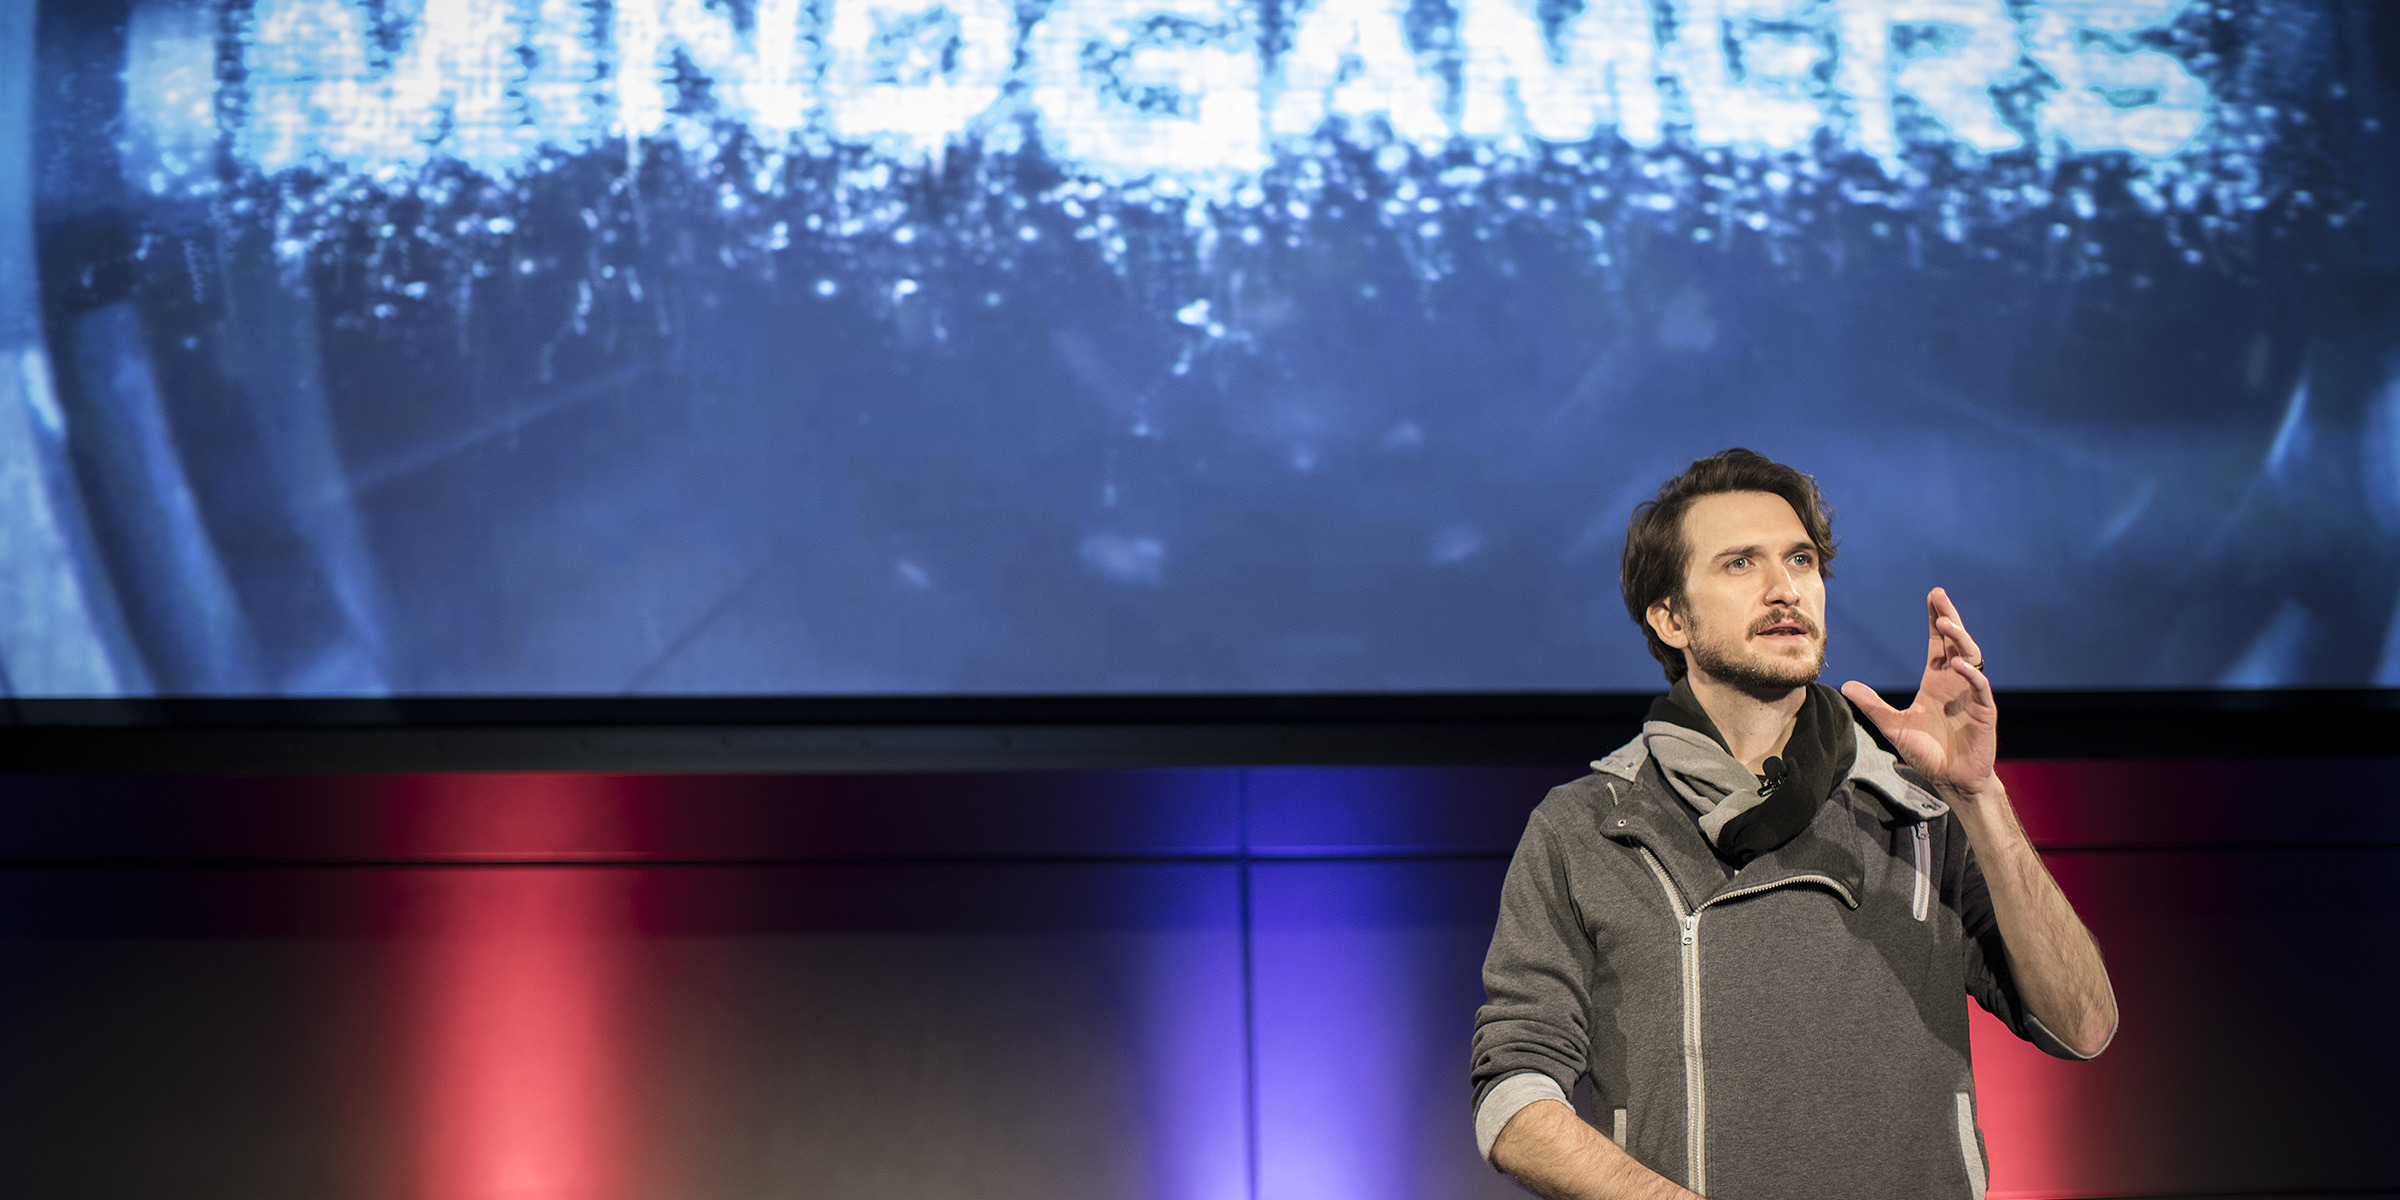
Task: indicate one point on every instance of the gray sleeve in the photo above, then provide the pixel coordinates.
(1988, 977)
(1506, 1100)
(1536, 983)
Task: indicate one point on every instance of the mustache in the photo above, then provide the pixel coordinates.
(1803, 620)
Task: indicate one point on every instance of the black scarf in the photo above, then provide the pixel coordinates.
(1816, 759)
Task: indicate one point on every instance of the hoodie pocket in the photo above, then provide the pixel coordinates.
(1970, 1146)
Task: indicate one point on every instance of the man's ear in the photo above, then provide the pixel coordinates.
(1666, 624)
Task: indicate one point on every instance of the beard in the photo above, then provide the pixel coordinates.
(1733, 661)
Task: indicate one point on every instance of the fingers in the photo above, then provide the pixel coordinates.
(1949, 636)
(1870, 703)
(1938, 603)
(1937, 647)
(1976, 681)
(1961, 645)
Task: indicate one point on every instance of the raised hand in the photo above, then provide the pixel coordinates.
(1951, 734)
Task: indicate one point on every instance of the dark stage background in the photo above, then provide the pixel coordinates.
(1207, 983)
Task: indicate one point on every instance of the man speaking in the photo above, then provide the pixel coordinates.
(1751, 927)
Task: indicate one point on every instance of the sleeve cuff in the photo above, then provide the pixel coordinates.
(2048, 1043)
(1503, 1102)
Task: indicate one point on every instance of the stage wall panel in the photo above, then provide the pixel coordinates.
(1186, 984)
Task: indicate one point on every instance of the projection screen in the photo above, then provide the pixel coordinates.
(943, 347)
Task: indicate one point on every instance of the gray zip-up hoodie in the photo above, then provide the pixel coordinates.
(1796, 1030)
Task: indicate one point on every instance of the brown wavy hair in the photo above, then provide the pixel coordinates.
(1657, 557)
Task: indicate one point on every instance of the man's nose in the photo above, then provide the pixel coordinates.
(1781, 588)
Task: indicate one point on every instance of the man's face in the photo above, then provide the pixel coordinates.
(1753, 608)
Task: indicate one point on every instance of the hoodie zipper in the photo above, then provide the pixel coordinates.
(1695, 1084)
(1695, 1088)
(1921, 901)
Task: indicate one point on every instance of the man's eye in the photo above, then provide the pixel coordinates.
(1736, 563)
